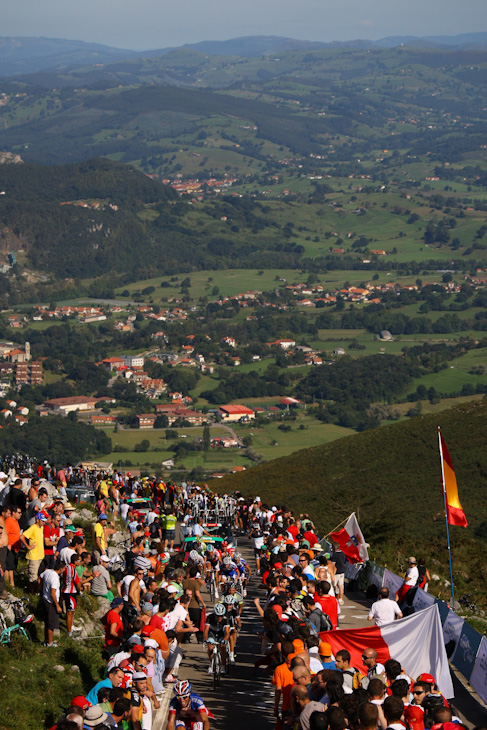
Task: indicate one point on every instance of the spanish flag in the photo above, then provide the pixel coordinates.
(454, 512)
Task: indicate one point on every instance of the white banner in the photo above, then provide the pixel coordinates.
(452, 628)
(478, 680)
(393, 582)
(422, 600)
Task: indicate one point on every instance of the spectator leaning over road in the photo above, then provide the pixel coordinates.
(384, 611)
(33, 540)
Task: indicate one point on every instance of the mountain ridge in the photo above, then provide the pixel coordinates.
(27, 55)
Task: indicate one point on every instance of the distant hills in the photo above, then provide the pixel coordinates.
(28, 55)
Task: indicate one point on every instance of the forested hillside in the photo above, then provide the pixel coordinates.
(391, 478)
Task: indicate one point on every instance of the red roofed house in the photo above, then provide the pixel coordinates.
(235, 413)
(146, 420)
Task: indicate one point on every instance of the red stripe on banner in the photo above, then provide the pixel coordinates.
(456, 516)
(355, 641)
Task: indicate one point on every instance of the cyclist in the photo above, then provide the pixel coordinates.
(233, 604)
(187, 709)
(217, 630)
(213, 564)
(243, 570)
(228, 568)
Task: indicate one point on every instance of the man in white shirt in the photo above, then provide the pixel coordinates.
(51, 593)
(384, 611)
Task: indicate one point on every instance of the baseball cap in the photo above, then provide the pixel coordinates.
(147, 630)
(105, 558)
(139, 676)
(412, 560)
(172, 589)
(102, 516)
(41, 516)
(325, 648)
(116, 602)
(137, 649)
(427, 678)
(80, 701)
(414, 716)
(151, 643)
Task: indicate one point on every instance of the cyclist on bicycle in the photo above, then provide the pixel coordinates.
(212, 557)
(243, 570)
(217, 631)
(233, 609)
(228, 568)
(187, 709)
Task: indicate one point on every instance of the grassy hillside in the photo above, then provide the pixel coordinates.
(391, 478)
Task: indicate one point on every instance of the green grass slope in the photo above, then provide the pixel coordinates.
(391, 478)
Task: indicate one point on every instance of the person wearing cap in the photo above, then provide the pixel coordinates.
(114, 626)
(101, 532)
(33, 540)
(325, 655)
(101, 584)
(37, 504)
(410, 580)
(138, 707)
(94, 717)
(52, 535)
(51, 596)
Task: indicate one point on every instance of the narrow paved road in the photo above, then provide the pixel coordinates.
(245, 700)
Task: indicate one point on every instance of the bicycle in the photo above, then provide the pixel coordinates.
(216, 665)
(211, 585)
(21, 621)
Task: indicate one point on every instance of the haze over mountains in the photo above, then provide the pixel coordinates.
(26, 55)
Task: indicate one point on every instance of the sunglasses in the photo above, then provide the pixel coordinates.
(419, 692)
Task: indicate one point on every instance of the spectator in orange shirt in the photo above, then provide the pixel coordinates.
(12, 528)
(283, 680)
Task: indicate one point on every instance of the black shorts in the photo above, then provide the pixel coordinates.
(49, 561)
(11, 560)
(51, 616)
(69, 601)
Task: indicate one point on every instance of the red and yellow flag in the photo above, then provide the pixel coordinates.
(454, 512)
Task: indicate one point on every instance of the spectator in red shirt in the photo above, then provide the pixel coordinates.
(329, 604)
(114, 626)
(52, 530)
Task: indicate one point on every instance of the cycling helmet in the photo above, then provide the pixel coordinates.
(228, 599)
(227, 561)
(219, 609)
(210, 549)
(182, 688)
(194, 555)
(237, 556)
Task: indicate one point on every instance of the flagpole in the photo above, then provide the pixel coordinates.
(336, 528)
(446, 518)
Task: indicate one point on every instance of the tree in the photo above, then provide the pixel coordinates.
(206, 438)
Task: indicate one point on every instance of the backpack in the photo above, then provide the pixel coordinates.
(325, 623)
(356, 677)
